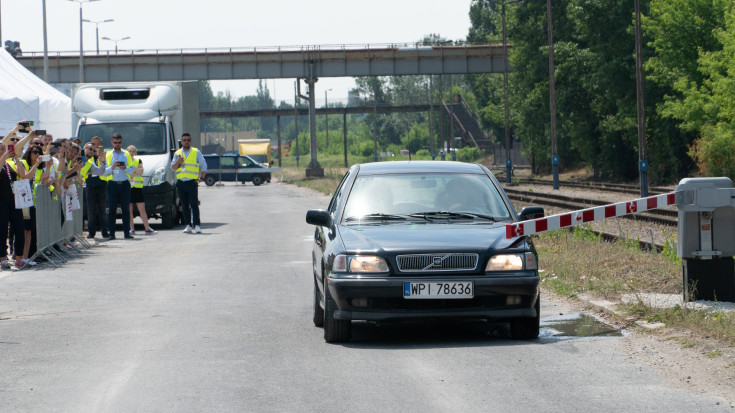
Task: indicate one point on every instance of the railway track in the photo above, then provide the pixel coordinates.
(611, 187)
(658, 216)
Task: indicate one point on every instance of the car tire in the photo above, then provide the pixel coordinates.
(257, 180)
(210, 180)
(527, 328)
(318, 310)
(335, 331)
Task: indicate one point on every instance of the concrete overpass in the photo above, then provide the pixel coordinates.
(268, 63)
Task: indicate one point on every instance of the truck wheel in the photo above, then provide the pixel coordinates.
(209, 180)
(168, 217)
(257, 180)
(335, 331)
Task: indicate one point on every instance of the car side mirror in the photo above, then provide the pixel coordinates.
(319, 217)
(531, 212)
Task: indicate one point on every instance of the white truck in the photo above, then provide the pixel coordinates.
(151, 116)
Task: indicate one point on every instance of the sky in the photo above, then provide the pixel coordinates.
(176, 24)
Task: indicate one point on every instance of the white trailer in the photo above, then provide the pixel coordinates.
(151, 116)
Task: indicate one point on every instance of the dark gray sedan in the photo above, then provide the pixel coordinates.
(422, 240)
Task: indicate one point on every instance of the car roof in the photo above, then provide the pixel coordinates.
(402, 167)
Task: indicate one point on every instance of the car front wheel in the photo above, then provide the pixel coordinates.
(209, 180)
(318, 310)
(527, 328)
(257, 180)
(335, 331)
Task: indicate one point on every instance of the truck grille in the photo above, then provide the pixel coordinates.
(437, 262)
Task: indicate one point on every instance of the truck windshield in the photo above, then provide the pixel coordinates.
(147, 137)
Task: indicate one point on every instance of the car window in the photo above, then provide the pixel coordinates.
(338, 194)
(246, 162)
(416, 193)
(228, 162)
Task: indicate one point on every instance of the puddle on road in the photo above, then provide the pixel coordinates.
(576, 325)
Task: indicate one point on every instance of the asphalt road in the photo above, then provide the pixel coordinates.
(221, 321)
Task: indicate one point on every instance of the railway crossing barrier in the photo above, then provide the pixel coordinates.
(706, 232)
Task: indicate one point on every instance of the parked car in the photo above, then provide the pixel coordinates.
(235, 168)
(422, 240)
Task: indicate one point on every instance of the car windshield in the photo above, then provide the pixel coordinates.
(425, 196)
(147, 137)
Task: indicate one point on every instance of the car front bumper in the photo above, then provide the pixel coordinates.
(385, 299)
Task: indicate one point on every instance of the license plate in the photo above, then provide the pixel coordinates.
(449, 289)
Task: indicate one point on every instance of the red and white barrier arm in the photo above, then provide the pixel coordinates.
(569, 219)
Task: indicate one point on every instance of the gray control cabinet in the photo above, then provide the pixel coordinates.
(707, 238)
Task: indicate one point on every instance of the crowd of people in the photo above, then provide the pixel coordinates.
(110, 179)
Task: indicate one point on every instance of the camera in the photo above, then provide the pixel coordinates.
(25, 126)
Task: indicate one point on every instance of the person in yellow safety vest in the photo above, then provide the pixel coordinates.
(136, 193)
(190, 168)
(95, 188)
(120, 167)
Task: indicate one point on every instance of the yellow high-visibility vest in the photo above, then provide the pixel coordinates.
(136, 181)
(109, 163)
(190, 168)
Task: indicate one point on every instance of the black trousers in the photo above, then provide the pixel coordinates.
(118, 193)
(14, 217)
(189, 198)
(96, 203)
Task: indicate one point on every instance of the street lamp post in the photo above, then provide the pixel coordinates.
(97, 29)
(116, 40)
(508, 160)
(81, 38)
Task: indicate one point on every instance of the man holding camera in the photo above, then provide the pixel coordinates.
(119, 169)
(190, 168)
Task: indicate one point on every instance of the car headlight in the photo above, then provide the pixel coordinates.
(512, 262)
(359, 263)
(158, 176)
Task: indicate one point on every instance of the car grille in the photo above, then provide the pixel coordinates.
(437, 262)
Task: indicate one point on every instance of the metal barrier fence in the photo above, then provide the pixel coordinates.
(52, 229)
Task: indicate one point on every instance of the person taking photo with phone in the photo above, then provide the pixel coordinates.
(119, 169)
(10, 217)
(190, 168)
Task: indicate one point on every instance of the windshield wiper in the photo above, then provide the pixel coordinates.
(383, 217)
(451, 215)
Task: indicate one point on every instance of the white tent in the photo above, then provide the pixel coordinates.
(23, 96)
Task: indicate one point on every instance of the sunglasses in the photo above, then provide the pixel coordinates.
(15, 139)
(37, 152)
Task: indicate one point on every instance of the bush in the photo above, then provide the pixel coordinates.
(469, 155)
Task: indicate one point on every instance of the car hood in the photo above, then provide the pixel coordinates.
(424, 237)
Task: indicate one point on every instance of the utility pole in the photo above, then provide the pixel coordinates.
(45, 44)
(642, 155)
(552, 99)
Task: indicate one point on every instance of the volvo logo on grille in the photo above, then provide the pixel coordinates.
(438, 261)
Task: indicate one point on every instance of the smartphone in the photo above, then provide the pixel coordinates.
(11, 149)
(45, 158)
(40, 132)
(54, 150)
(24, 126)
(79, 159)
(56, 144)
